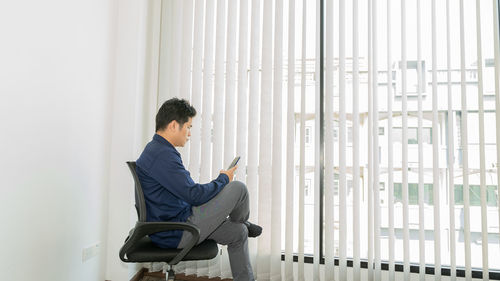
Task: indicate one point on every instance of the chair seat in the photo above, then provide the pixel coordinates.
(146, 251)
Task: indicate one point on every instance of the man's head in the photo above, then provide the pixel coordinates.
(173, 121)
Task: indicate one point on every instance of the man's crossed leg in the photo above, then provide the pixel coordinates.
(224, 219)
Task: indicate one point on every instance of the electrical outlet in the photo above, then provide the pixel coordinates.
(90, 252)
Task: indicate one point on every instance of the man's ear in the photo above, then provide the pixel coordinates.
(172, 125)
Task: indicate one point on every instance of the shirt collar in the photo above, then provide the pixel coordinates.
(162, 140)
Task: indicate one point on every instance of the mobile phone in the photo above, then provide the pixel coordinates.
(235, 161)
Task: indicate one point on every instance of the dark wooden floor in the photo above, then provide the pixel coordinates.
(151, 278)
(157, 276)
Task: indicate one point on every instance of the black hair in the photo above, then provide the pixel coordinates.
(174, 109)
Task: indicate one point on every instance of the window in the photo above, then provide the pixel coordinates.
(475, 195)
(308, 135)
(381, 131)
(413, 135)
(413, 193)
(412, 78)
(307, 188)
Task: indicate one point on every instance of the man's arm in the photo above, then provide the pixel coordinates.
(176, 179)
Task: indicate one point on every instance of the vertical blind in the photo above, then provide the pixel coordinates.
(409, 170)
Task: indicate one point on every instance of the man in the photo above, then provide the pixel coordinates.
(220, 208)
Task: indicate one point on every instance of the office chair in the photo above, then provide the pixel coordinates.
(138, 247)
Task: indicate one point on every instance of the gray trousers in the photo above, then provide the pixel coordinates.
(221, 219)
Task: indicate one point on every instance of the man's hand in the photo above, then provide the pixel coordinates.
(229, 173)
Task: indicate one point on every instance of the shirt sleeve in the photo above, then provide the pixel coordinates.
(172, 175)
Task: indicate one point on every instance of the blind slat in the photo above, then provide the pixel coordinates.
(265, 133)
(317, 148)
(253, 117)
(496, 50)
(290, 145)
(482, 164)
(277, 144)
(375, 150)
(230, 93)
(356, 146)
(329, 146)
(176, 49)
(217, 115)
(243, 100)
(435, 153)
(369, 185)
(451, 149)
(465, 161)
(187, 45)
(208, 68)
(242, 122)
(404, 114)
(302, 144)
(390, 162)
(421, 208)
(342, 146)
(229, 131)
(196, 98)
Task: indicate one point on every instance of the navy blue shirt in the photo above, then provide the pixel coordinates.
(169, 190)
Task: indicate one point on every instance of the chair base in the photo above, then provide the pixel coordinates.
(170, 275)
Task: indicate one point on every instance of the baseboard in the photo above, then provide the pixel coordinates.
(139, 275)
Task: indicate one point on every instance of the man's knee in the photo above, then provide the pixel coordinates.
(231, 234)
(240, 232)
(238, 186)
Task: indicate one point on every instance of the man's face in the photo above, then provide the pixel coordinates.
(183, 134)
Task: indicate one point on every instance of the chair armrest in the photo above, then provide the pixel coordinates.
(143, 229)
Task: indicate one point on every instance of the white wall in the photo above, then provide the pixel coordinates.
(74, 106)
(55, 127)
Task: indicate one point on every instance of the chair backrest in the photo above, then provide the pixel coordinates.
(140, 203)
